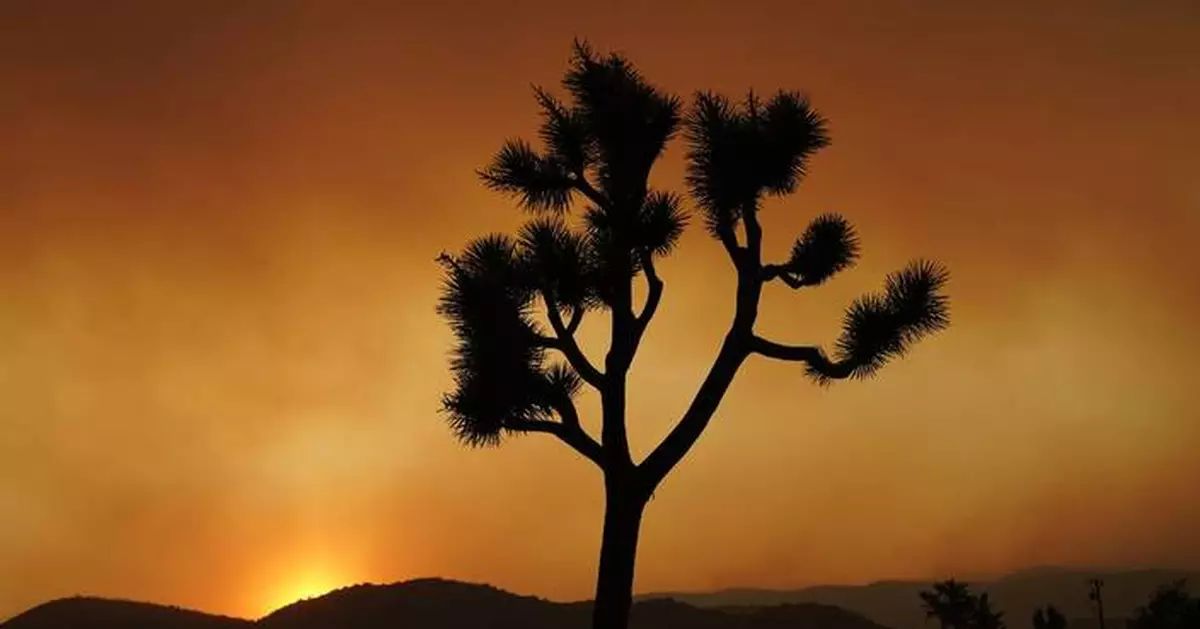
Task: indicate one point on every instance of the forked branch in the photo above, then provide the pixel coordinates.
(565, 342)
(571, 434)
(581, 185)
(683, 436)
(754, 232)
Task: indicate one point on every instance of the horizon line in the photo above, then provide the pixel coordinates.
(646, 595)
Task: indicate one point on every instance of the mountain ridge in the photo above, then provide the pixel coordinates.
(442, 602)
(421, 603)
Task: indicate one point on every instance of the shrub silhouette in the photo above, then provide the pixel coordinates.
(955, 607)
(1049, 618)
(515, 303)
(984, 617)
(949, 602)
(1169, 607)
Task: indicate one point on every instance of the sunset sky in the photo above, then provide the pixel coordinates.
(220, 365)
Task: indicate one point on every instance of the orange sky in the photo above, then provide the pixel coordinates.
(220, 365)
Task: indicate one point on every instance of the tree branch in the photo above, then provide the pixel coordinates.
(581, 184)
(576, 319)
(614, 437)
(729, 240)
(734, 350)
(568, 413)
(653, 296)
(779, 271)
(813, 357)
(753, 232)
(567, 345)
(571, 434)
(679, 441)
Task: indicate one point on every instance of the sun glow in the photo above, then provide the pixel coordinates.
(299, 586)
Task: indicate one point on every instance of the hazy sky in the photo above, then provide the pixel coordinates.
(220, 364)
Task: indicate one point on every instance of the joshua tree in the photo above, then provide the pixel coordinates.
(515, 304)
(1049, 618)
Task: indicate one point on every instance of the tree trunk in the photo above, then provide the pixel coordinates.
(618, 554)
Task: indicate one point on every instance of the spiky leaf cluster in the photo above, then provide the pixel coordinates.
(737, 153)
(501, 375)
(614, 129)
(565, 134)
(827, 246)
(601, 146)
(881, 326)
(628, 122)
(560, 263)
(540, 182)
(661, 222)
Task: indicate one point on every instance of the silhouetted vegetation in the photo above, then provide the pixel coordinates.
(954, 606)
(984, 617)
(1049, 618)
(1096, 596)
(1170, 607)
(898, 604)
(516, 303)
(949, 602)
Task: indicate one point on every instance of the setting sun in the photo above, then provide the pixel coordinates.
(300, 585)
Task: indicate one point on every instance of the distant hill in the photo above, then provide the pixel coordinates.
(441, 604)
(896, 604)
(430, 604)
(82, 612)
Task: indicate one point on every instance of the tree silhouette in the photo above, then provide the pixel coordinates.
(983, 616)
(516, 303)
(955, 607)
(1049, 618)
(1096, 595)
(950, 602)
(1169, 607)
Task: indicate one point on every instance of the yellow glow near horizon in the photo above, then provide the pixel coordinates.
(300, 585)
